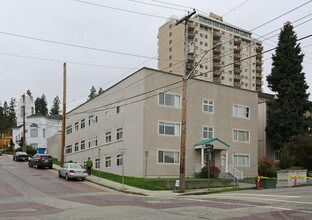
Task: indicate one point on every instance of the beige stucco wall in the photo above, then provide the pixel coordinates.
(140, 122)
(54, 145)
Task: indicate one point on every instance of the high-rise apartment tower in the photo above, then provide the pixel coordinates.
(229, 54)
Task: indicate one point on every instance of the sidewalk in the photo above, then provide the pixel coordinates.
(133, 190)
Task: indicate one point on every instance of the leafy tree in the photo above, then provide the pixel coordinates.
(300, 149)
(55, 109)
(286, 116)
(266, 167)
(41, 105)
(92, 93)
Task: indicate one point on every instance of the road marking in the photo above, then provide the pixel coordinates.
(256, 206)
(264, 195)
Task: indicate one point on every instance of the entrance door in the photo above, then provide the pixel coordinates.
(223, 161)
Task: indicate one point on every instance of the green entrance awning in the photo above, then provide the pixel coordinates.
(208, 141)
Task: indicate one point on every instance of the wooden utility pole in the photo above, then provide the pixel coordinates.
(63, 115)
(184, 102)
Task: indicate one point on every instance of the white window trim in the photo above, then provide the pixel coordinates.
(168, 106)
(236, 129)
(244, 106)
(121, 105)
(203, 126)
(90, 119)
(91, 139)
(168, 150)
(169, 135)
(122, 158)
(77, 122)
(237, 154)
(81, 123)
(111, 135)
(123, 133)
(207, 112)
(111, 158)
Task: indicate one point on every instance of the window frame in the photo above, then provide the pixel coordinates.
(93, 139)
(82, 123)
(108, 134)
(208, 106)
(69, 129)
(166, 124)
(176, 99)
(69, 149)
(235, 111)
(236, 138)
(164, 162)
(108, 161)
(93, 119)
(119, 160)
(119, 133)
(207, 126)
(83, 143)
(235, 161)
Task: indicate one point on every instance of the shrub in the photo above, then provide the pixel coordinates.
(266, 167)
(214, 172)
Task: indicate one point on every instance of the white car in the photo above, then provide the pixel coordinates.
(73, 171)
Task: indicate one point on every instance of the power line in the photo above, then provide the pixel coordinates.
(160, 6)
(61, 61)
(97, 109)
(119, 9)
(235, 8)
(281, 15)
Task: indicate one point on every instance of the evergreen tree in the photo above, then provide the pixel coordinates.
(12, 114)
(55, 109)
(92, 93)
(1, 119)
(5, 112)
(41, 105)
(286, 116)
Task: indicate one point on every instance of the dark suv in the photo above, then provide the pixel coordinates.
(40, 160)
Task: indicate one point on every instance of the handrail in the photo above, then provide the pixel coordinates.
(236, 173)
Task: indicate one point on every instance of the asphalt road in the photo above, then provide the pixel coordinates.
(29, 194)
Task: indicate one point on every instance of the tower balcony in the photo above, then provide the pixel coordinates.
(216, 34)
(237, 49)
(216, 58)
(237, 41)
(216, 65)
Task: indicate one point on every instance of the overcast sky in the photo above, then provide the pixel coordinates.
(118, 37)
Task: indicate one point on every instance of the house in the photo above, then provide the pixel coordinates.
(135, 126)
(38, 127)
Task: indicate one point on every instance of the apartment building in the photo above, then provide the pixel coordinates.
(135, 126)
(223, 53)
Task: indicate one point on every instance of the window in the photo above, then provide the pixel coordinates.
(82, 145)
(97, 163)
(168, 99)
(242, 136)
(167, 128)
(82, 123)
(242, 160)
(277, 155)
(119, 160)
(119, 108)
(69, 130)
(93, 142)
(208, 106)
(207, 132)
(169, 157)
(76, 126)
(92, 119)
(223, 159)
(34, 145)
(33, 132)
(240, 111)
(119, 133)
(108, 113)
(76, 146)
(43, 133)
(108, 161)
(68, 149)
(108, 137)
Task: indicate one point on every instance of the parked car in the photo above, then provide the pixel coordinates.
(20, 156)
(73, 171)
(40, 161)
